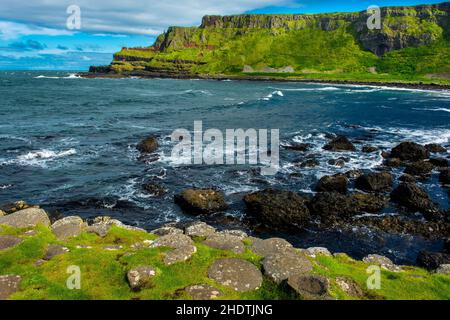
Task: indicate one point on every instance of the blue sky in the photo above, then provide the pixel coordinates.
(34, 36)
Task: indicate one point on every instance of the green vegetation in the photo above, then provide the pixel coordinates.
(103, 273)
(323, 47)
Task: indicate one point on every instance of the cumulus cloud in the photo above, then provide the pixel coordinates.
(13, 30)
(29, 45)
(122, 16)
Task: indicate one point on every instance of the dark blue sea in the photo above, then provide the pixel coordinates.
(69, 145)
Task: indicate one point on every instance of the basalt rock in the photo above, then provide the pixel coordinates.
(369, 149)
(375, 182)
(203, 292)
(340, 143)
(201, 201)
(140, 277)
(407, 178)
(9, 284)
(432, 260)
(309, 287)
(439, 162)
(30, 217)
(148, 145)
(298, 146)
(68, 227)
(270, 246)
(444, 176)
(435, 148)
(412, 197)
(281, 266)
(278, 209)
(155, 189)
(410, 151)
(336, 183)
(238, 274)
(7, 242)
(419, 168)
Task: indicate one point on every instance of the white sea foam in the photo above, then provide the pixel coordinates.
(432, 109)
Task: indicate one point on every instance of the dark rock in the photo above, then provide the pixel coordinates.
(410, 151)
(308, 163)
(7, 242)
(337, 183)
(340, 162)
(201, 201)
(148, 145)
(340, 143)
(415, 199)
(435, 148)
(15, 206)
(369, 149)
(54, 250)
(375, 182)
(281, 266)
(439, 162)
(354, 174)
(394, 162)
(447, 246)
(444, 177)
(155, 189)
(238, 274)
(309, 287)
(407, 178)
(140, 277)
(432, 260)
(419, 168)
(298, 146)
(278, 209)
(203, 292)
(9, 285)
(30, 217)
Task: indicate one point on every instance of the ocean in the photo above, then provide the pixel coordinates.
(69, 145)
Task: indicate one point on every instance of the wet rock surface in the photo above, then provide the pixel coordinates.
(148, 145)
(336, 183)
(410, 151)
(201, 201)
(340, 143)
(375, 182)
(414, 198)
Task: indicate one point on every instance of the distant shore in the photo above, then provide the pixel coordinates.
(147, 75)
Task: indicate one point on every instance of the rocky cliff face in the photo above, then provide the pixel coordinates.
(402, 27)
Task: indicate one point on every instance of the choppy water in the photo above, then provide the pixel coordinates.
(69, 144)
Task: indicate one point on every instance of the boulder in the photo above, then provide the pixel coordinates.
(375, 182)
(2, 213)
(354, 174)
(318, 251)
(280, 266)
(419, 168)
(154, 189)
(238, 274)
(7, 242)
(407, 178)
(394, 162)
(270, 246)
(148, 145)
(340, 143)
(223, 241)
(199, 229)
(163, 231)
(443, 269)
(298, 146)
(369, 149)
(336, 183)
(140, 277)
(308, 163)
(203, 292)
(350, 287)
(68, 227)
(382, 261)
(201, 201)
(30, 217)
(309, 287)
(410, 151)
(435, 148)
(180, 254)
(444, 177)
(15, 206)
(237, 233)
(340, 162)
(109, 222)
(9, 284)
(99, 229)
(412, 197)
(54, 250)
(173, 241)
(432, 260)
(278, 209)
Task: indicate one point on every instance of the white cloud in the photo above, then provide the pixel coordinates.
(149, 17)
(11, 30)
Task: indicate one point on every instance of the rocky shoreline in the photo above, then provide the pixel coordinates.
(233, 264)
(155, 75)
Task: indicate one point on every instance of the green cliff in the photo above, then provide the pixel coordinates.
(413, 45)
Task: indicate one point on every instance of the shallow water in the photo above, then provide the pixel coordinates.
(68, 144)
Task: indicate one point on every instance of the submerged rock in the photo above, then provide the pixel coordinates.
(278, 209)
(238, 274)
(410, 151)
(435, 148)
(30, 217)
(337, 183)
(375, 182)
(340, 143)
(298, 146)
(201, 201)
(140, 277)
(148, 145)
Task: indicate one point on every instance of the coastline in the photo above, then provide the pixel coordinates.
(147, 75)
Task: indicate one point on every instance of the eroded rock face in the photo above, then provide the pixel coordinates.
(9, 284)
(309, 287)
(148, 145)
(238, 274)
(278, 209)
(68, 227)
(7, 242)
(30, 217)
(410, 151)
(340, 143)
(140, 277)
(201, 201)
(414, 198)
(279, 267)
(375, 182)
(336, 183)
(203, 292)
